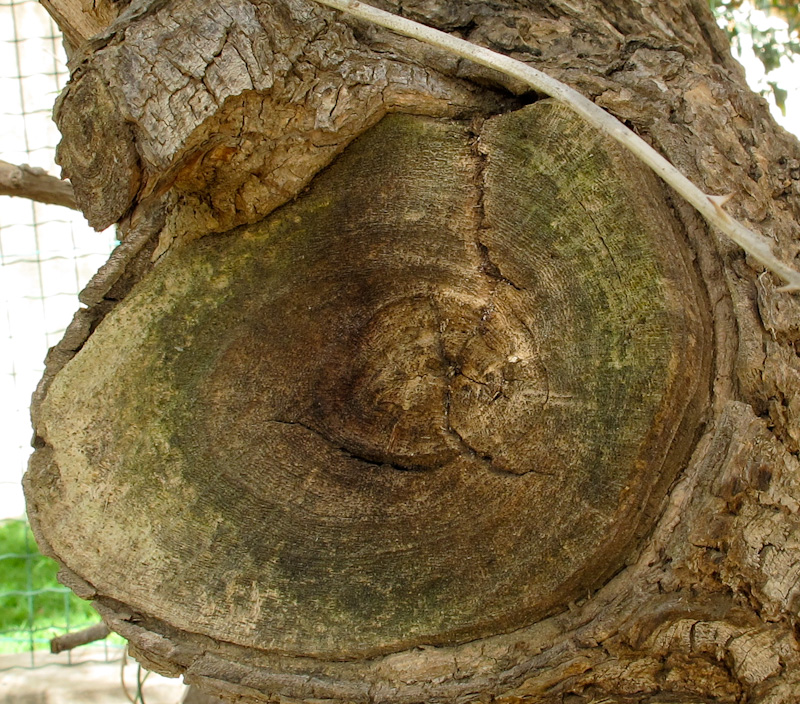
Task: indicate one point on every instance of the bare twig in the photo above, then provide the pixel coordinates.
(710, 207)
(34, 183)
(72, 640)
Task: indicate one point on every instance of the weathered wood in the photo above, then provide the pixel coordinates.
(455, 451)
(107, 173)
(79, 20)
(196, 696)
(258, 99)
(478, 410)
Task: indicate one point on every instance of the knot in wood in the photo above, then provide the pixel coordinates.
(437, 397)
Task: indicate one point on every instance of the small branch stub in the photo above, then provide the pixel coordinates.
(76, 638)
(381, 452)
(36, 184)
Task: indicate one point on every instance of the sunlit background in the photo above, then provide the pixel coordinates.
(784, 78)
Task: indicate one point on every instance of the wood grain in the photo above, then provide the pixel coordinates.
(433, 400)
(704, 602)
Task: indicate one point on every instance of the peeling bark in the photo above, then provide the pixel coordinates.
(384, 341)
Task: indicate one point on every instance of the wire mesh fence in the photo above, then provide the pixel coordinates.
(34, 607)
(47, 253)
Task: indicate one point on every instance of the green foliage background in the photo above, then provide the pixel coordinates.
(34, 607)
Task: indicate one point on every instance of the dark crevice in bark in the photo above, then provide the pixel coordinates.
(349, 453)
(453, 366)
(491, 269)
(487, 265)
(720, 50)
(466, 448)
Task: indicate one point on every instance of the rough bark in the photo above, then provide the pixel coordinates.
(483, 412)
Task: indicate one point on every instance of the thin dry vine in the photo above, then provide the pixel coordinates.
(709, 206)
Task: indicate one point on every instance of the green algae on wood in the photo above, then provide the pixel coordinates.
(435, 398)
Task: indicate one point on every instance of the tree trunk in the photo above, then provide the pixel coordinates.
(405, 385)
